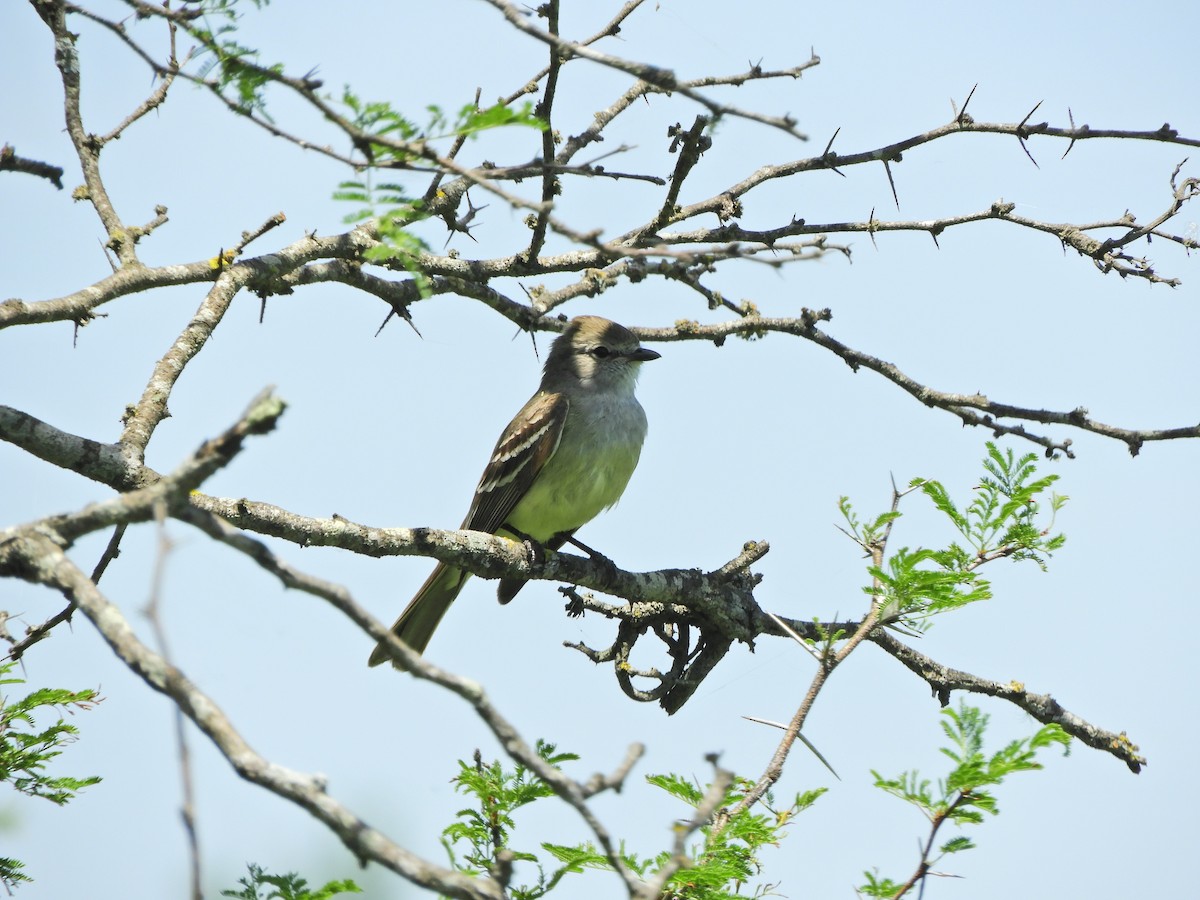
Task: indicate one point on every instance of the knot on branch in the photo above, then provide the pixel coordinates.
(696, 628)
(730, 208)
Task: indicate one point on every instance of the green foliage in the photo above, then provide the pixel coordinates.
(25, 753)
(387, 202)
(235, 72)
(721, 863)
(486, 828)
(385, 137)
(726, 858)
(391, 140)
(238, 74)
(286, 887)
(11, 875)
(394, 212)
(962, 796)
(469, 121)
(1002, 520)
(25, 750)
(875, 886)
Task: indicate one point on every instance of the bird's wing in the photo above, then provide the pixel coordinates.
(523, 449)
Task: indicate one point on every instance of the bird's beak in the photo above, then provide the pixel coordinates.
(644, 354)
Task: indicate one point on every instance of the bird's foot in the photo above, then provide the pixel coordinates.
(609, 567)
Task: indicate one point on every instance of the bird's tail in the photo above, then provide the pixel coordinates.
(420, 618)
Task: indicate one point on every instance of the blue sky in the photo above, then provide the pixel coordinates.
(749, 441)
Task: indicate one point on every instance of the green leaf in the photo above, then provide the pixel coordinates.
(289, 886)
(963, 796)
(679, 788)
(471, 121)
(11, 875)
(27, 749)
(956, 845)
(1004, 518)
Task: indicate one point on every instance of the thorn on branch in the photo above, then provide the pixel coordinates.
(1081, 131)
(1022, 131)
(828, 157)
(961, 117)
(463, 225)
(887, 168)
(401, 311)
(1025, 147)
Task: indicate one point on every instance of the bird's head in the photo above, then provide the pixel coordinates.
(597, 352)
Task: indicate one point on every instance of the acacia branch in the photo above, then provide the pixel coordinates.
(660, 79)
(828, 660)
(37, 558)
(720, 601)
(35, 553)
(10, 162)
(964, 406)
(545, 112)
(943, 679)
(87, 146)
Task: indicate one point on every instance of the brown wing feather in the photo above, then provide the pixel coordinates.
(523, 449)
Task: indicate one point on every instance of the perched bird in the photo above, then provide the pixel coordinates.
(567, 455)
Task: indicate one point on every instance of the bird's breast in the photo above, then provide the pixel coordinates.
(596, 456)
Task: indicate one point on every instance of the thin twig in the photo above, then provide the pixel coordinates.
(152, 612)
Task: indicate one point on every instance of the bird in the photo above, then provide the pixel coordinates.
(564, 458)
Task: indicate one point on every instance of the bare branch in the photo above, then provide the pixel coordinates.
(659, 79)
(960, 405)
(152, 612)
(10, 162)
(87, 147)
(943, 679)
(37, 558)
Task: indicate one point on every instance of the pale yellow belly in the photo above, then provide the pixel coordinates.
(588, 472)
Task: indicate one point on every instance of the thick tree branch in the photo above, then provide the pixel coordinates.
(719, 603)
(35, 553)
(38, 558)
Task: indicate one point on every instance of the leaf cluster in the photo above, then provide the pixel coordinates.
(389, 203)
(486, 827)
(727, 856)
(1003, 519)
(26, 749)
(394, 212)
(717, 866)
(25, 753)
(963, 796)
(260, 885)
(238, 74)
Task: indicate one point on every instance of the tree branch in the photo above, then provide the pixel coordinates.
(943, 679)
(10, 162)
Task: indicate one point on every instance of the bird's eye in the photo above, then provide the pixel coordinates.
(601, 352)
